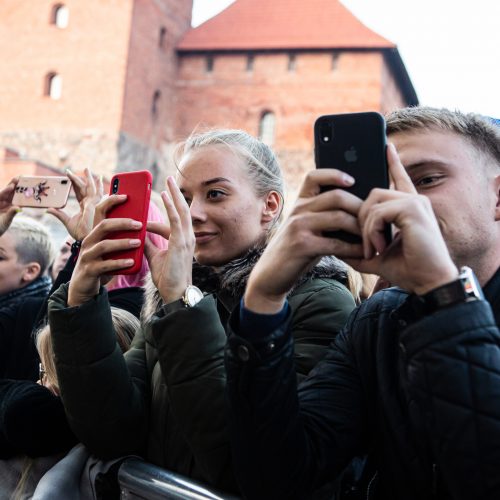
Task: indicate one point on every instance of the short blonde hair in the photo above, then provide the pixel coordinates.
(33, 242)
(479, 131)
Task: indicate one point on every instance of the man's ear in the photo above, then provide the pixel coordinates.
(31, 272)
(273, 206)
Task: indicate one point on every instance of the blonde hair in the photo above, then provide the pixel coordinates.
(261, 164)
(125, 325)
(479, 131)
(32, 242)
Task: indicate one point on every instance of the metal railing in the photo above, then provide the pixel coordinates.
(142, 480)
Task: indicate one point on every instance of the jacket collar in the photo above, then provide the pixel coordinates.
(492, 294)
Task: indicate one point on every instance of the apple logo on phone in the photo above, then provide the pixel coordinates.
(351, 155)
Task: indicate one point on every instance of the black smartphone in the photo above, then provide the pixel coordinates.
(354, 143)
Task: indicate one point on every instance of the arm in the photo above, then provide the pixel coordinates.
(451, 373)
(105, 396)
(292, 440)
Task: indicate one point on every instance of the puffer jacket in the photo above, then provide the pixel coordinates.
(165, 399)
(418, 394)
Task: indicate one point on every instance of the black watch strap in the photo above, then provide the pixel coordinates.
(465, 289)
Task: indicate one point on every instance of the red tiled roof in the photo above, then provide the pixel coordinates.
(282, 24)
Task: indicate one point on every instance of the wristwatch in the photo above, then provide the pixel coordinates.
(192, 295)
(465, 289)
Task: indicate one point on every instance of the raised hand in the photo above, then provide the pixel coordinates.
(171, 269)
(7, 210)
(418, 259)
(93, 261)
(88, 193)
(300, 241)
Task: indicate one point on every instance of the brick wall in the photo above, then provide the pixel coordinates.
(232, 95)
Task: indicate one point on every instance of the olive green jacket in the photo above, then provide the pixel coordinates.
(164, 399)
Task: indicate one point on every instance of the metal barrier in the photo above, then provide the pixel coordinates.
(142, 480)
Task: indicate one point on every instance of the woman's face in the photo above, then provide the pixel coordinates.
(228, 217)
(12, 271)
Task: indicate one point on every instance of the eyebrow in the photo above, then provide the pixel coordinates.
(423, 163)
(209, 182)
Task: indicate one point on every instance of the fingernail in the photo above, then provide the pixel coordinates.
(347, 179)
(136, 224)
(68, 169)
(134, 243)
(129, 262)
(18, 210)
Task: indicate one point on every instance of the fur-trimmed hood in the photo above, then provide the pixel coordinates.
(232, 278)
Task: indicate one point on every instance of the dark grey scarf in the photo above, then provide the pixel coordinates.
(38, 288)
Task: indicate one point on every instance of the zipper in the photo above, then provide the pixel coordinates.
(368, 489)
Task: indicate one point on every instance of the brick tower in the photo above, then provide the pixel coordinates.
(90, 83)
(272, 67)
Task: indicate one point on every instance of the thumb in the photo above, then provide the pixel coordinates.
(150, 250)
(7, 218)
(59, 214)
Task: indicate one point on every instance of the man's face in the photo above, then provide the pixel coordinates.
(12, 271)
(462, 190)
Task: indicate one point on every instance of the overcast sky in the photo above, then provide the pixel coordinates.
(450, 47)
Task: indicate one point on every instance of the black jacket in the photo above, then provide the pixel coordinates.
(418, 394)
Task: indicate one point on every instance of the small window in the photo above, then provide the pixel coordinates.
(155, 105)
(292, 62)
(267, 127)
(60, 16)
(53, 86)
(209, 64)
(161, 37)
(335, 61)
(250, 61)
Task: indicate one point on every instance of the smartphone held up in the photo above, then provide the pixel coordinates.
(42, 191)
(356, 144)
(137, 187)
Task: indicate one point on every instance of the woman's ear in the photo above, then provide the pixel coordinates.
(273, 206)
(31, 272)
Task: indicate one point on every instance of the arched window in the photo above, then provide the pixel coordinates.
(60, 15)
(267, 127)
(161, 37)
(155, 104)
(53, 86)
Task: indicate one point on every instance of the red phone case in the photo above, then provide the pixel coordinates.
(137, 187)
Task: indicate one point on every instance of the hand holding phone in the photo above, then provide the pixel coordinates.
(137, 187)
(356, 144)
(42, 191)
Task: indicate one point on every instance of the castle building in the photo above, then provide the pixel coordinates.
(113, 84)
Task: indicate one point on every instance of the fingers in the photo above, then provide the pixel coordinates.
(79, 185)
(321, 177)
(181, 207)
(150, 250)
(60, 215)
(7, 192)
(336, 199)
(7, 218)
(104, 229)
(105, 205)
(400, 178)
(159, 228)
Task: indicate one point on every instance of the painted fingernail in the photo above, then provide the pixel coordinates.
(347, 179)
(18, 210)
(134, 242)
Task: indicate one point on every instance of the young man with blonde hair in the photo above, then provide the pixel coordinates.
(413, 381)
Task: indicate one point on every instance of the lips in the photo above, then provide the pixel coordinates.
(204, 237)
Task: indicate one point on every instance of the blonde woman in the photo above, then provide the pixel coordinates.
(165, 398)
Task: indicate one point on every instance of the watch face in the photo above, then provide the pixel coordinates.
(193, 295)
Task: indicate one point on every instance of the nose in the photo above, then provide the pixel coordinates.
(197, 210)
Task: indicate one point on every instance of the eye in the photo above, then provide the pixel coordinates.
(215, 194)
(428, 180)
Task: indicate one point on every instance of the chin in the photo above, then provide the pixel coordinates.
(211, 259)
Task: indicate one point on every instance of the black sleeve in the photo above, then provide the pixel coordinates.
(32, 421)
(288, 442)
(451, 376)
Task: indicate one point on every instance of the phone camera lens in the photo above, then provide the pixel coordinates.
(115, 186)
(64, 181)
(326, 132)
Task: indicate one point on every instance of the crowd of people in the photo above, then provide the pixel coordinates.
(247, 353)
